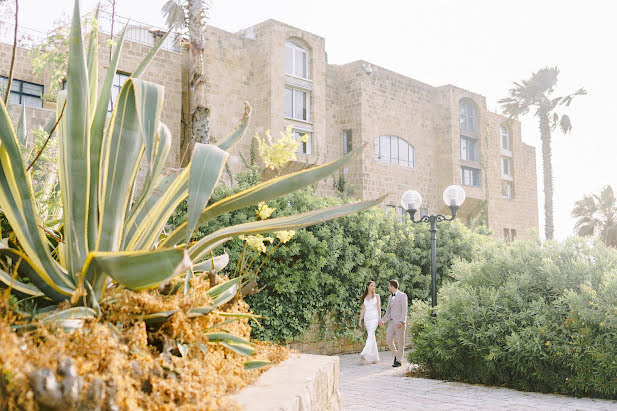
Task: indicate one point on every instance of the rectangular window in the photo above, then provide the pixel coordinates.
(119, 80)
(305, 146)
(470, 176)
(297, 104)
(509, 234)
(423, 212)
(506, 189)
(296, 60)
(505, 138)
(347, 144)
(469, 148)
(23, 92)
(506, 167)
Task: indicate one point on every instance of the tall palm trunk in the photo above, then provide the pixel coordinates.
(198, 128)
(547, 167)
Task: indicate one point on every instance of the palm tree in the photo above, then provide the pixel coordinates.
(537, 92)
(597, 215)
(190, 16)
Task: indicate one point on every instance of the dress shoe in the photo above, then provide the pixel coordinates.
(396, 364)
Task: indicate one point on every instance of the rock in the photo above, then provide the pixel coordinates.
(46, 389)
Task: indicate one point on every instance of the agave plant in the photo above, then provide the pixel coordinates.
(111, 232)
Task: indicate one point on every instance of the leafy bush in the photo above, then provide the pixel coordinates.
(530, 316)
(322, 271)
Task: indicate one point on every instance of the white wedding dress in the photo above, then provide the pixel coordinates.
(371, 320)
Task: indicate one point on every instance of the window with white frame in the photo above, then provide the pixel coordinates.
(507, 189)
(394, 150)
(305, 146)
(504, 132)
(297, 103)
(119, 80)
(467, 115)
(346, 140)
(296, 60)
(469, 148)
(506, 167)
(23, 92)
(470, 176)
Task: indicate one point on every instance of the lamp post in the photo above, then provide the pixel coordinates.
(454, 197)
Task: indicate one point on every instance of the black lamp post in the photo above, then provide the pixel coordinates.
(454, 197)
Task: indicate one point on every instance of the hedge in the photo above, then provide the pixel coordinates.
(322, 271)
(534, 317)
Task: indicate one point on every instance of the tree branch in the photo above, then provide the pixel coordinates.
(8, 86)
(48, 137)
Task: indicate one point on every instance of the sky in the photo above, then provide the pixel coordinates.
(479, 45)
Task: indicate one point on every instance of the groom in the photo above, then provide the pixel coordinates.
(396, 317)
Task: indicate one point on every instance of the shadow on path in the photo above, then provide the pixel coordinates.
(382, 387)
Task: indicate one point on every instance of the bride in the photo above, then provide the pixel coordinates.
(371, 313)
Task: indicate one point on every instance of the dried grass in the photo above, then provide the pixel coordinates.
(119, 350)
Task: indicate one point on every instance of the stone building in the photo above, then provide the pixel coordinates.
(416, 136)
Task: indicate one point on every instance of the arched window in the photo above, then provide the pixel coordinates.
(296, 60)
(504, 132)
(394, 150)
(467, 115)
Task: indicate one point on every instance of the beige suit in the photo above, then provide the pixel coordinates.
(396, 314)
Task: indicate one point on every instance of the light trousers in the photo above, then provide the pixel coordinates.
(398, 334)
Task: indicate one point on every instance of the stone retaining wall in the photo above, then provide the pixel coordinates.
(301, 383)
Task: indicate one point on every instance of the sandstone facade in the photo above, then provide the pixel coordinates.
(447, 133)
(354, 104)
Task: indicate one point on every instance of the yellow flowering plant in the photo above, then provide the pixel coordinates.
(254, 247)
(276, 154)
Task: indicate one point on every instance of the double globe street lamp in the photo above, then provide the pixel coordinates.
(454, 197)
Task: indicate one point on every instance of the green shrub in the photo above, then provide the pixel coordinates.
(322, 271)
(529, 316)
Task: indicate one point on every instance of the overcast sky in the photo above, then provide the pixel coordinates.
(482, 46)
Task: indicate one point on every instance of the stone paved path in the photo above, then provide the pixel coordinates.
(381, 387)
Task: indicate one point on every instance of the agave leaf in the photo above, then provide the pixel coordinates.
(157, 318)
(218, 337)
(263, 192)
(93, 64)
(23, 289)
(217, 264)
(239, 315)
(230, 140)
(42, 280)
(220, 294)
(255, 364)
(21, 126)
(136, 270)
(18, 205)
(160, 156)
(223, 288)
(139, 71)
(97, 130)
(201, 247)
(242, 349)
(147, 232)
(150, 97)
(138, 107)
(70, 319)
(206, 169)
(74, 151)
